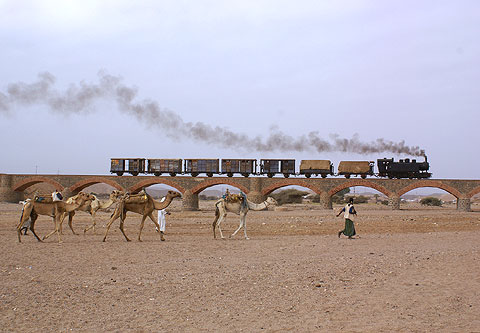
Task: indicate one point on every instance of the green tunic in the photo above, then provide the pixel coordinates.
(349, 228)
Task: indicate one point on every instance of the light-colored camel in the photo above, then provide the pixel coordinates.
(142, 204)
(240, 208)
(54, 209)
(91, 206)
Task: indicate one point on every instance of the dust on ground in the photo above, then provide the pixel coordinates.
(414, 270)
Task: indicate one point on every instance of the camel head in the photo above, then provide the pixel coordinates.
(271, 201)
(115, 195)
(81, 197)
(173, 194)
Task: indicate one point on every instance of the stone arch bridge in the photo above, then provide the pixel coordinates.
(256, 188)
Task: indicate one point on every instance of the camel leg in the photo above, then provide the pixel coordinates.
(94, 223)
(239, 227)
(222, 217)
(115, 215)
(157, 225)
(70, 220)
(22, 221)
(245, 226)
(122, 230)
(141, 227)
(58, 225)
(32, 226)
(27, 209)
(56, 229)
(214, 224)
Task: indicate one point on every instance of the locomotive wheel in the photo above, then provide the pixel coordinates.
(347, 176)
(324, 175)
(173, 174)
(269, 175)
(286, 175)
(134, 173)
(308, 175)
(119, 173)
(245, 175)
(229, 174)
(194, 174)
(363, 176)
(209, 174)
(157, 174)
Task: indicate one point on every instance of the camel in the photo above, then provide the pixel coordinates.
(239, 207)
(54, 209)
(142, 204)
(91, 206)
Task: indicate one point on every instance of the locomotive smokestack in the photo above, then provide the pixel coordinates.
(83, 97)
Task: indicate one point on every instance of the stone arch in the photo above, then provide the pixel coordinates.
(288, 182)
(430, 183)
(476, 190)
(25, 183)
(359, 182)
(154, 181)
(77, 187)
(218, 181)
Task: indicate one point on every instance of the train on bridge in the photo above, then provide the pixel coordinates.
(387, 167)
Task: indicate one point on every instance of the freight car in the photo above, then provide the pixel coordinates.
(133, 166)
(316, 167)
(406, 168)
(158, 166)
(356, 168)
(242, 166)
(271, 167)
(198, 166)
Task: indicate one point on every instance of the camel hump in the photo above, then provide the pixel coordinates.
(43, 199)
(136, 198)
(234, 198)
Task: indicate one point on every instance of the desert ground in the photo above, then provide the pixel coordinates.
(413, 270)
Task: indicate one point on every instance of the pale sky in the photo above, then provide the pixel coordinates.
(397, 70)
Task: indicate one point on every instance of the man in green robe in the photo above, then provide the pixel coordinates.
(349, 212)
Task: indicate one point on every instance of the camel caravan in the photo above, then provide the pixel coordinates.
(58, 208)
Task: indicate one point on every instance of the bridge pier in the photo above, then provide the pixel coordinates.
(463, 205)
(190, 200)
(6, 192)
(394, 202)
(326, 201)
(256, 197)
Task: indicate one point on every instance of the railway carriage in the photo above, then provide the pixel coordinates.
(316, 167)
(198, 166)
(271, 167)
(158, 166)
(245, 167)
(133, 166)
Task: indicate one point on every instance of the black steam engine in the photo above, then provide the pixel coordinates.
(406, 168)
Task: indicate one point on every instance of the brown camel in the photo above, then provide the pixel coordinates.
(45, 206)
(239, 207)
(91, 206)
(142, 204)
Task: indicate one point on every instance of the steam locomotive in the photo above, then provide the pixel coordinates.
(387, 167)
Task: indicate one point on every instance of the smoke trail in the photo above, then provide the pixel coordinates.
(81, 98)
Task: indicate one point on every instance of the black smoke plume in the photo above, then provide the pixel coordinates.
(81, 98)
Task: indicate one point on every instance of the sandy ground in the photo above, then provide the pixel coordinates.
(414, 270)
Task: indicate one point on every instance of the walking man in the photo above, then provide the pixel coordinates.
(161, 219)
(349, 212)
